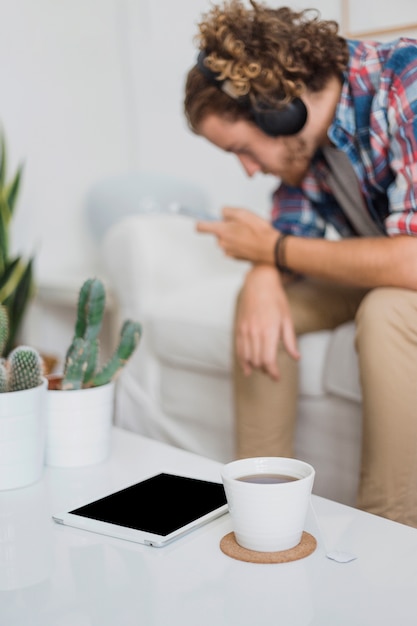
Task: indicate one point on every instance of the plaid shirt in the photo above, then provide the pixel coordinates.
(376, 126)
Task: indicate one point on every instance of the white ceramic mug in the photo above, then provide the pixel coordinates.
(267, 515)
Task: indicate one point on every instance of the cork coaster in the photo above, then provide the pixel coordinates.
(231, 548)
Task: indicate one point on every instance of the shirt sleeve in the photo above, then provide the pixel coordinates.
(402, 120)
(293, 213)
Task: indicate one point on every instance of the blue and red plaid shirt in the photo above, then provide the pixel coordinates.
(376, 126)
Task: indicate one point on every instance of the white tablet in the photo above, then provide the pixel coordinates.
(154, 511)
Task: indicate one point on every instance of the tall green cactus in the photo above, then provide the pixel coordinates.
(91, 302)
(76, 365)
(23, 369)
(82, 358)
(81, 361)
(129, 338)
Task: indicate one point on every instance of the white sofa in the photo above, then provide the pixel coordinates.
(177, 387)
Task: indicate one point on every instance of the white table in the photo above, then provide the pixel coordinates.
(52, 575)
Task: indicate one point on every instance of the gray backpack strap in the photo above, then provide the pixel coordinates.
(345, 187)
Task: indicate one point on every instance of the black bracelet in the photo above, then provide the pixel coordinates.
(279, 254)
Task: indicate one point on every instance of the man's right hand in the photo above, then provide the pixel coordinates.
(263, 320)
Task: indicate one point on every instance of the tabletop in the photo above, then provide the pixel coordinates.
(51, 575)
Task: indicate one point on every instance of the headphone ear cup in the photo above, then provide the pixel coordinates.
(287, 121)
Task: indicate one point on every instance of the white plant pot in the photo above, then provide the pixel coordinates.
(22, 436)
(79, 424)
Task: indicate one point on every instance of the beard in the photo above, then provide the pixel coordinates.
(297, 161)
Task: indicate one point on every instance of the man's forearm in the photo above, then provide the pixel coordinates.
(364, 262)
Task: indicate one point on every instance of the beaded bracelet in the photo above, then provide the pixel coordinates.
(279, 254)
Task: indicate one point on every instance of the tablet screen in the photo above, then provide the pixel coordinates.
(161, 504)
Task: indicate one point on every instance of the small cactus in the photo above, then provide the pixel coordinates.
(3, 376)
(23, 369)
(4, 327)
(81, 361)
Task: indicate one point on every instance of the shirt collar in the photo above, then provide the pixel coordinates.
(343, 127)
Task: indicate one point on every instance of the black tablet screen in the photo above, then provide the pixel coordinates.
(160, 505)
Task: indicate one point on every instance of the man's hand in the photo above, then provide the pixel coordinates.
(263, 320)
(243, 235)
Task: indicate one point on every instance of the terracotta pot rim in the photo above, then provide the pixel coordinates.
(55, 379)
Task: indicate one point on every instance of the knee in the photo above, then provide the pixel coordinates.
(374, 309)
(385, 312)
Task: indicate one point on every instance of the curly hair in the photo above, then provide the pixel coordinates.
(267, 54)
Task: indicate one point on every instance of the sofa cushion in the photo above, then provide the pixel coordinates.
(341, 373)
(313, 348)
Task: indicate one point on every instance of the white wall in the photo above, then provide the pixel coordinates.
(63, 109)
(91, 88)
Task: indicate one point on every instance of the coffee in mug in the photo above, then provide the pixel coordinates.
(267, 479)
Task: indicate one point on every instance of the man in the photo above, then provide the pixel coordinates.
(335, 121)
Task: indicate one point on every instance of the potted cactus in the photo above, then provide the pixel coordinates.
(80, 401)
(22, 428)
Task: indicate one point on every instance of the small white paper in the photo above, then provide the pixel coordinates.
(341, 557)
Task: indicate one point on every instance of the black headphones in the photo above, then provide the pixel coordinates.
(287, 121)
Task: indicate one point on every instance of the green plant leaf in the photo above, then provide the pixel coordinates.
(12, 190)
(16, 275)
(5, 214)
(4, 244)
(18, 298)
(3, 164)
(10, 279)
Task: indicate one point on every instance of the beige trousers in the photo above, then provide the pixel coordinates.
(386, 342)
